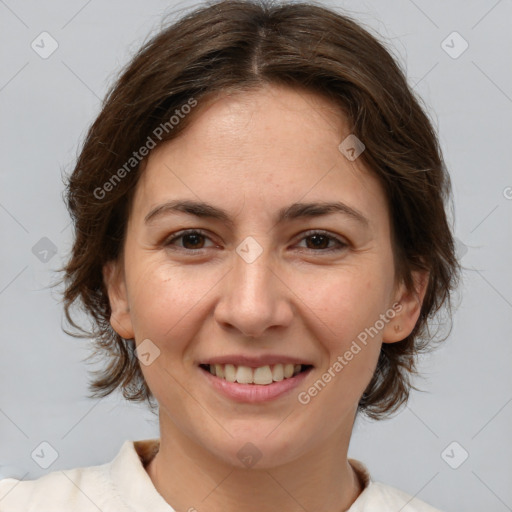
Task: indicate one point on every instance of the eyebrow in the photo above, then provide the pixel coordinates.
(288, 213)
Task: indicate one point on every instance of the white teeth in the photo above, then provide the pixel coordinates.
(219, 371)
(263, 375)
(244, 375)
(278, 372)
(229, 373)
(288, 370)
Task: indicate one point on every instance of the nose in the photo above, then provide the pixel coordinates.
(254, 297)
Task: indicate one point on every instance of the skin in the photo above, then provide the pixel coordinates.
(251, 154)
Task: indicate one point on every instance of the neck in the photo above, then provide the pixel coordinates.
(190, 479)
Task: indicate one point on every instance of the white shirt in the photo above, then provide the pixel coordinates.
(123, 485)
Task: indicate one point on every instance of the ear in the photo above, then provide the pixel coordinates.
(407, 308)
(120, 320)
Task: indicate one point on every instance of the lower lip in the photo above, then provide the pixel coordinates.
(254, 393)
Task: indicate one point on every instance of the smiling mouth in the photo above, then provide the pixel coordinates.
(262, 375)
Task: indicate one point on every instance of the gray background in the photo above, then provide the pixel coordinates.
(46, 107)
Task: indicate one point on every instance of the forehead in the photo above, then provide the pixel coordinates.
(271, 145)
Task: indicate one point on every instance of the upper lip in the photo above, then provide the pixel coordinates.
(254, 361)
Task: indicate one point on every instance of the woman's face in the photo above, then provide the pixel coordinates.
(265, 283)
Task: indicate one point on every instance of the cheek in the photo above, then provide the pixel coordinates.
(345, 307)
(345, 302)
(166, 299)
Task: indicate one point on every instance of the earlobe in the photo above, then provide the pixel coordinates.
(120, 319)
(408, 310)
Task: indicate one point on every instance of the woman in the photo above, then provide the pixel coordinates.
(261, 240)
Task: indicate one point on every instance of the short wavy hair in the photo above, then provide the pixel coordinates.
(235, 46)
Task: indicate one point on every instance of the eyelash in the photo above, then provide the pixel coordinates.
(341, 244)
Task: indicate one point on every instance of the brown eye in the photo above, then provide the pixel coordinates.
(192, 240)
(319, 241)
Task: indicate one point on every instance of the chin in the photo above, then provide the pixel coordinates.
(257, 448)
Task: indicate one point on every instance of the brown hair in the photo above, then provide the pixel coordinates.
(234, 45)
